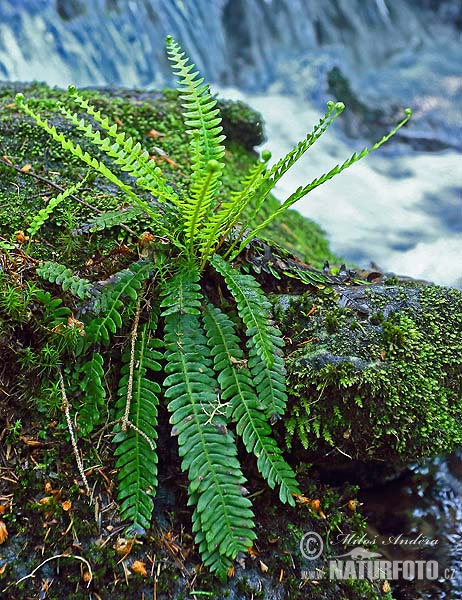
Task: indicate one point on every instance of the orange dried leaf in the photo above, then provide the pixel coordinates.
(123, 546)
(3, 509)
(3, 532)
(153, 133)
(2, 568)
(21, 237)
(66, 505)
(315, 505)
(139, 567)
(301, 499)
(6, 159)
(86, 576)
(230, 572)
(253, 553)
(46, 500)
(26, 168)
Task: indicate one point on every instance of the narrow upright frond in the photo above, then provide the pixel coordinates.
(220, 223)
(302, 191)
(203, 117)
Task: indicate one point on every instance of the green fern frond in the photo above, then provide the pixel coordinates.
(270, 383)
(209, 454)
(94, 392)
(109, 219)
(126, 153)
(302, 191)
(253, 308)
(220, 223)
(85, 157)
(203, 117)
(45, 213)
(273, 175)
(112, 301)
(54, 314)
(136, 450)
(63, 276)
(243, 405)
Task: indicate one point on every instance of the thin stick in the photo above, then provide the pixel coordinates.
(53, 558)
(66, 408)
(136, 320)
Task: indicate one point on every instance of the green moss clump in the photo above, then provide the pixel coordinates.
(386, 385)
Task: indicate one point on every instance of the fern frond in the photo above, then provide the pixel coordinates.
(243, 404)
(54, 314)
(109, 219)
(94, 393)
(203, 117)
(45, 213)
(207, 448)
(125, 285)
(85, 157)
(253, 308)
(125, 152)
(220, 223)
(136, 450)
(302, 191)
(63, 276)
(273, 175)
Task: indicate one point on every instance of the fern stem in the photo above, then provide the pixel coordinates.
(66, 408)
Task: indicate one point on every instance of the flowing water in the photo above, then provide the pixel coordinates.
(401, 208)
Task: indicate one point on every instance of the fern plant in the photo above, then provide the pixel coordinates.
(221, 378)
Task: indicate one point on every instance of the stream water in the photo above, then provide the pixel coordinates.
(401, 208)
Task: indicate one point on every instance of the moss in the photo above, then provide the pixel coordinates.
(385, 385)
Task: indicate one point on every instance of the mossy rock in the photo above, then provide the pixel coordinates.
(375, 372)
